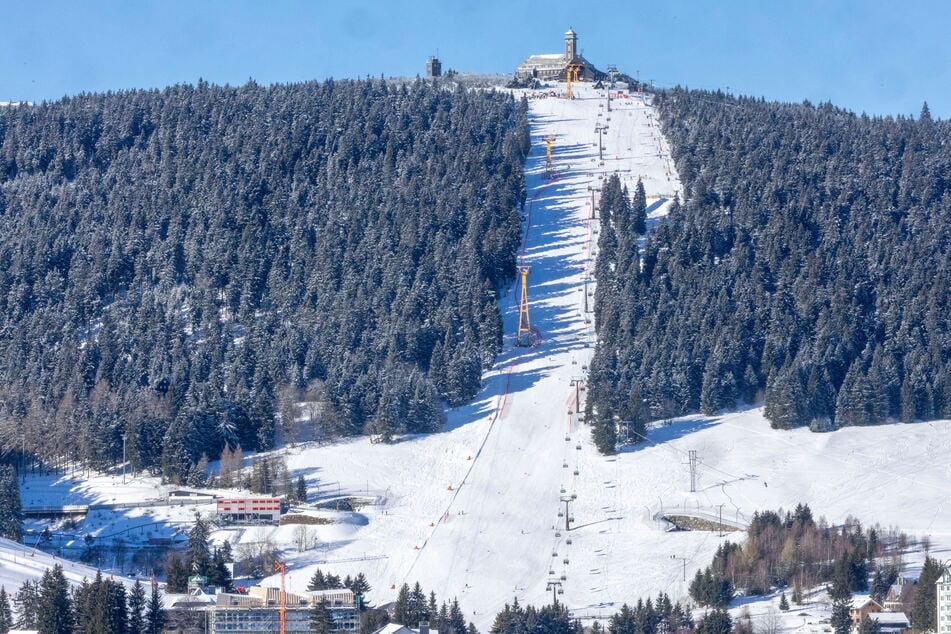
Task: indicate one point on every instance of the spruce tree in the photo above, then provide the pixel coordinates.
(401, 607)
(639, 208)
(198, 552)
(155, 612)
(137, 605)
(317, 581)
(27, 602)
(783, 602)
(11, 518)
(717, 621)
(924, 609)
(840, 620)
(176, 574)
(54, 610)
(6, 614)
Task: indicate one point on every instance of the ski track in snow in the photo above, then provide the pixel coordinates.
(472, 512)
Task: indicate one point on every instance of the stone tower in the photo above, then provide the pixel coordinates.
(571, 45)
(433, 67)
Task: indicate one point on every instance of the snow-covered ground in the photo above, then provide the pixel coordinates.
(19, 563)
(473, 512)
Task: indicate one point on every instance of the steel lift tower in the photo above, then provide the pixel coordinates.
(549, 166)
(572, 76)
(524, 336)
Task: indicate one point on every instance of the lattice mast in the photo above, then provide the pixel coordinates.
(523, 337)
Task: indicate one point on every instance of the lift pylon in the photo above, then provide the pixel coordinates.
(523, 337)
(572, 74)
(549, 167)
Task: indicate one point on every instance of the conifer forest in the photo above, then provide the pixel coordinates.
(807, 268)
(183, 268)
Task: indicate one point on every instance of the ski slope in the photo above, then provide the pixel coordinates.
(19, 563)
(473, 512)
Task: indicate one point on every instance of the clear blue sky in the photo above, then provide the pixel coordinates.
(872, 56)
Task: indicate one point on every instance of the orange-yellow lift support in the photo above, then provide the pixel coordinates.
(549, 168)
(524, 335)
(572, 75)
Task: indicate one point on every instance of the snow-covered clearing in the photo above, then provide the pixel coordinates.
(473, 512)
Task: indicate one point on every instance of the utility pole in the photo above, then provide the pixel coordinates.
(556, 589)
(577, 381)
(683, 559)
(692, 457)
(123, 458)
(720, 522)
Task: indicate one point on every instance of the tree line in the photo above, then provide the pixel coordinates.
(205, 266)
(807, 268)
(100, 606)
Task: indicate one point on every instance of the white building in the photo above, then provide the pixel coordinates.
(258, 611)
(943, 588)
(249, 510)
(552, 66)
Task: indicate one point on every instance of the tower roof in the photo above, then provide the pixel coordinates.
(570, 32)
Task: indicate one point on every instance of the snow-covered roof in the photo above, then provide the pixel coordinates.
(343, 594)
(861, 600)
(890, 618)
(192, 598)
(394, 628)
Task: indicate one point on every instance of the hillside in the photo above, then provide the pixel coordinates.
(471, 512)
(815, 241)
(184, 267)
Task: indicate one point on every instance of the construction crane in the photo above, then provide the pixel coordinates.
(282, 609)
(549, 167)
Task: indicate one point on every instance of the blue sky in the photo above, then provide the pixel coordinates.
(873, 56)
